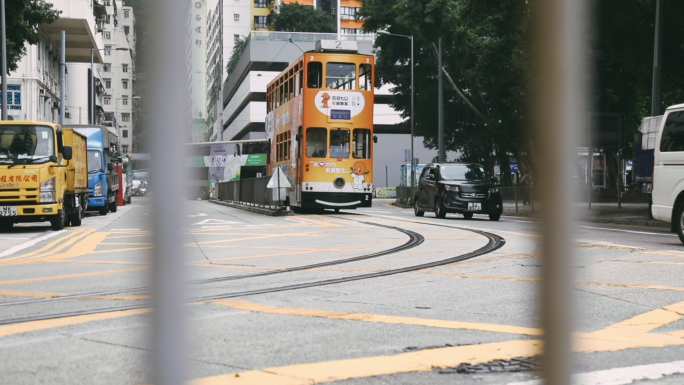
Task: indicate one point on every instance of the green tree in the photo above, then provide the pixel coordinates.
(238, 49)
(23, 19)
(295, 17)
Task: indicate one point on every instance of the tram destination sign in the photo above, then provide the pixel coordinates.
(340, 114)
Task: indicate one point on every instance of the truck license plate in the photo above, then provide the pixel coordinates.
(8, 211)
(474, 206)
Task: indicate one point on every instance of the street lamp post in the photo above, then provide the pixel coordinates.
(91, 111)
(413, 166)
(4, 61)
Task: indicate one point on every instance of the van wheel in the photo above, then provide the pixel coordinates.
(416, 208)
(440, 212)
(679, 222)
(58, 221)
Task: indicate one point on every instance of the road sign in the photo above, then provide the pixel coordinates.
(278, 180)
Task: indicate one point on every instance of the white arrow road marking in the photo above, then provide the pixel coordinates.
(30, 243)
(620, 376)
(213, 222)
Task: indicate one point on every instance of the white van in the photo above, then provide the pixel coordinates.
(668, 171)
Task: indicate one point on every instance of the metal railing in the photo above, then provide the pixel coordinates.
(252, 192)
(307, 36)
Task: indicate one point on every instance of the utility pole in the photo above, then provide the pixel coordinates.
(440, 104)
(62, 76)
(4, 60)
(657, 60)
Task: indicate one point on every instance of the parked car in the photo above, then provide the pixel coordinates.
(668, 171)
(463, 188)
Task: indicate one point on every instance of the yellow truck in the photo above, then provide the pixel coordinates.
(43, 174)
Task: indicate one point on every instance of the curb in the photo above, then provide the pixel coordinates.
(255, 209)
(624, 222)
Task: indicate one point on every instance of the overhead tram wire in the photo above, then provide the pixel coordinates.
(495, 242)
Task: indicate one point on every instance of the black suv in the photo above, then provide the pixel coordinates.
(463, 188)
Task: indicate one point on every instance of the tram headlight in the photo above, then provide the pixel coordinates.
(339, 182)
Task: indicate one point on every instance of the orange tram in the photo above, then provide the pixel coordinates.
(320, 127)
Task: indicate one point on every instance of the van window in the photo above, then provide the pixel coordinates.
(673, 133)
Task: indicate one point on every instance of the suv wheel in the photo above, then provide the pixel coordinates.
(679, 222)
(494, 217)
(416, 208)
(439, 209)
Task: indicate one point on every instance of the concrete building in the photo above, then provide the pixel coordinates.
(196, 51)
(342, 13)
(33, 89)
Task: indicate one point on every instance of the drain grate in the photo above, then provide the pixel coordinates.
(518, 364)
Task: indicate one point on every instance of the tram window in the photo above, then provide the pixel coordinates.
(316, 142)
(290, 87)
(297, 83)
(300, 80)
(365, 77)
(361, 144)
(339, 143)
(314, 74)
(340, 76)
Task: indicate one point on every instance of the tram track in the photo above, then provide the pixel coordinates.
(495, 242)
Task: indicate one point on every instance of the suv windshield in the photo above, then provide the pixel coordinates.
(26, 143)
(463, 172)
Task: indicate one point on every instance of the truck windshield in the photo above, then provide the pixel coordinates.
(463, 172)
(94, 161)
(26, 144)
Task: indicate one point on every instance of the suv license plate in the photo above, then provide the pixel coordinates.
(474, 206)
(8, 211)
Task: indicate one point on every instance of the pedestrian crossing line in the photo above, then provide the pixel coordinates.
(377, 318)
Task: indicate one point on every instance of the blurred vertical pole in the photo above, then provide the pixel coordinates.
(657, 59)
(4, 60)
(557, 116)
(440, 107)
(169, 104)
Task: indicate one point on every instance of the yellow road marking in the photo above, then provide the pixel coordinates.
(104, 262)
(127, 244)
(24, 327)
(92, 274)
(339, 370)
(30, 294)
(377, 318)
(46, 247)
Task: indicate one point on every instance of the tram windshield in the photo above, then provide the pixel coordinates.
(339, 143)
(340, 76)
(316, 142)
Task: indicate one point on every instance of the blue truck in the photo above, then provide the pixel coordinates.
(103, 179)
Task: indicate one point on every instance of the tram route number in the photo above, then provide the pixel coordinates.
(340, 114)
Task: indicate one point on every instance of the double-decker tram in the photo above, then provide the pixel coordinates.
(320, 124)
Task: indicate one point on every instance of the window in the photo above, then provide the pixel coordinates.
(361, 144)
(316, 142)
(125, 117)
(108, 19)
(67, 115)
(348, 31)
(108, 3)
(108, 84)
(124, 148)
(107, 100)
(260, 21)
(127, 13)
(107, 35)
(107, 67)
(124, 101)
(673, 133)
(348, 13)
(125, 134)
(283, 146)
(365, 77)
(236, 37)
(127, 30)
(124, 84)
(261, 3)
(314, 74)
(124, 68)
(236, 16)
(339, 143)
(108, 50)
(340, 76)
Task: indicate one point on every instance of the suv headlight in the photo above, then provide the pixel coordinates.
(47, 191)
(97, 191)
(451, 188)
(493, 190)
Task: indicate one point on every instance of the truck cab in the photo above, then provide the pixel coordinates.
(103, 179)
(43, 174)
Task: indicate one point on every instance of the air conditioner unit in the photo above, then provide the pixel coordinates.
(41, 91)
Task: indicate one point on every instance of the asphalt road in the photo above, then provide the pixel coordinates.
(342, 320)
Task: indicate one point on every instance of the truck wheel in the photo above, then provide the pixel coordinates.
(6, 227)
(104, 210)
(58, 221)
(76, 218)
(128, 200)
(679, 222)
(113, 206)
